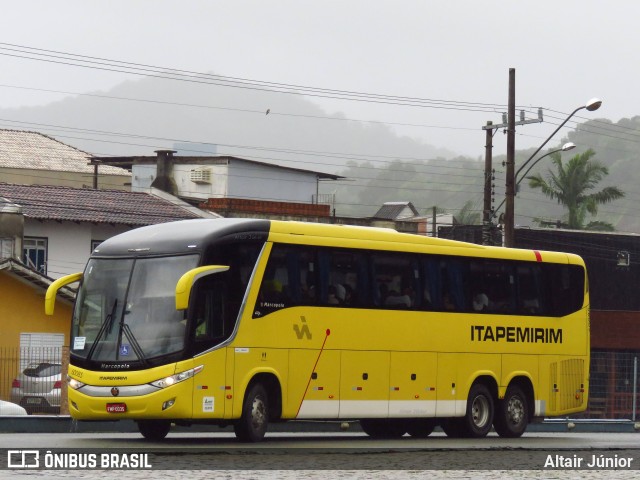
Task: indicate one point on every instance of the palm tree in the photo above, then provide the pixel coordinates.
(572, 185)
(467, 215)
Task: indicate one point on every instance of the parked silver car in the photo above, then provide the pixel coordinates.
(38, 388)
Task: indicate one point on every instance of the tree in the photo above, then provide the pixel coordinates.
(572, 185)
(467, 215)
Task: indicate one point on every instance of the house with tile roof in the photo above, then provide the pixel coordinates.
(49, 231)
(34, 158)
(62, 225)
(405, 217)
(396, 211)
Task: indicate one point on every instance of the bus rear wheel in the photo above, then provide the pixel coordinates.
(383, 427)
(154, 429)
(252, 424)
(480, 412)
(512, 415)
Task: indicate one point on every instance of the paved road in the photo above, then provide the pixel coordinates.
(308, 455)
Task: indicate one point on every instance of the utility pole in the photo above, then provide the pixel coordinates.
(434, 232)
(511, 150)
(509, 124)
(488, 190)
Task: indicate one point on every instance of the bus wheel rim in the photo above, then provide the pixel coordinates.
(515, 410)
(480, 411)
(258, 413)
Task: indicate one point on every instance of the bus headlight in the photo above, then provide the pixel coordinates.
(177, 378)
(75, 384)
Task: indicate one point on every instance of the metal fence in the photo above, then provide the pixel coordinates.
(34, 378)
(614, 385)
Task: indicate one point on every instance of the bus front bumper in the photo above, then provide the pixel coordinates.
(171, 403)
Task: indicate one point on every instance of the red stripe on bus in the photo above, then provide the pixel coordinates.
(538, 256)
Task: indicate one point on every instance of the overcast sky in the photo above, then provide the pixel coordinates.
(564, 52)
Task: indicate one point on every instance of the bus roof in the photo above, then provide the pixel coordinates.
(388, 239)
(188, 235)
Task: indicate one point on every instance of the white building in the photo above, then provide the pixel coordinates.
(202, 178)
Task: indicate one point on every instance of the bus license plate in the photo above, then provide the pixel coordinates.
(116, 407)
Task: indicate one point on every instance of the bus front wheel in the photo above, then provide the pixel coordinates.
(512, 414)
(480, 411)
(154, 429)
(252, 425)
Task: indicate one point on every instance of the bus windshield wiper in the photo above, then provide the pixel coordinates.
(106, 326)
(124, 328)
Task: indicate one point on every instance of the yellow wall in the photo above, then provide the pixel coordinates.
(22, 311)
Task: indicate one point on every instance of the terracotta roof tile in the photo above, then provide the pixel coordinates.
(33, 150)
(45, 202)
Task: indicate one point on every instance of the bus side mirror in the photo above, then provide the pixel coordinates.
(185, 284)
(52, 291)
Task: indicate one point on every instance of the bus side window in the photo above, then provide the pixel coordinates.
(212, 320)
(395, 278)
(340, 275)
(454, 279)
(431, 284)
(290, 279)
(529, 280)
(273, 294)
(566, 285)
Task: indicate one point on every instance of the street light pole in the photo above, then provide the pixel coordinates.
(567, 146)
(591, 105)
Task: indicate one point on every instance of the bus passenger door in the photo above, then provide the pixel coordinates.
(211, 325)
(364, 384)
(314, 392)
(413, 377)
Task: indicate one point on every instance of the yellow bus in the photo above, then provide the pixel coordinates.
(245, 322)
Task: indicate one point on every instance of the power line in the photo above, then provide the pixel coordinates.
(168, 73)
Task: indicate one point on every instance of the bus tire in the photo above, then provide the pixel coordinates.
(421, 427)
(383, 427)
(154, 429)
(512, 415)
(254, 420)
(478, 420)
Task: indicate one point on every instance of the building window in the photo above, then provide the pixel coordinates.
(95, 244)
(6, 247)
(35, 253)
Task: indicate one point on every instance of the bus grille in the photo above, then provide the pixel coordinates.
(567, 381)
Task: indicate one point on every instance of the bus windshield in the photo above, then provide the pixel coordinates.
(125, 310)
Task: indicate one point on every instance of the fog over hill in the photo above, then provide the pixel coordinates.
(234, 119)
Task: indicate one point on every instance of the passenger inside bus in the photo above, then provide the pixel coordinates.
(395, 299)
(337, 294)
(480, 302)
